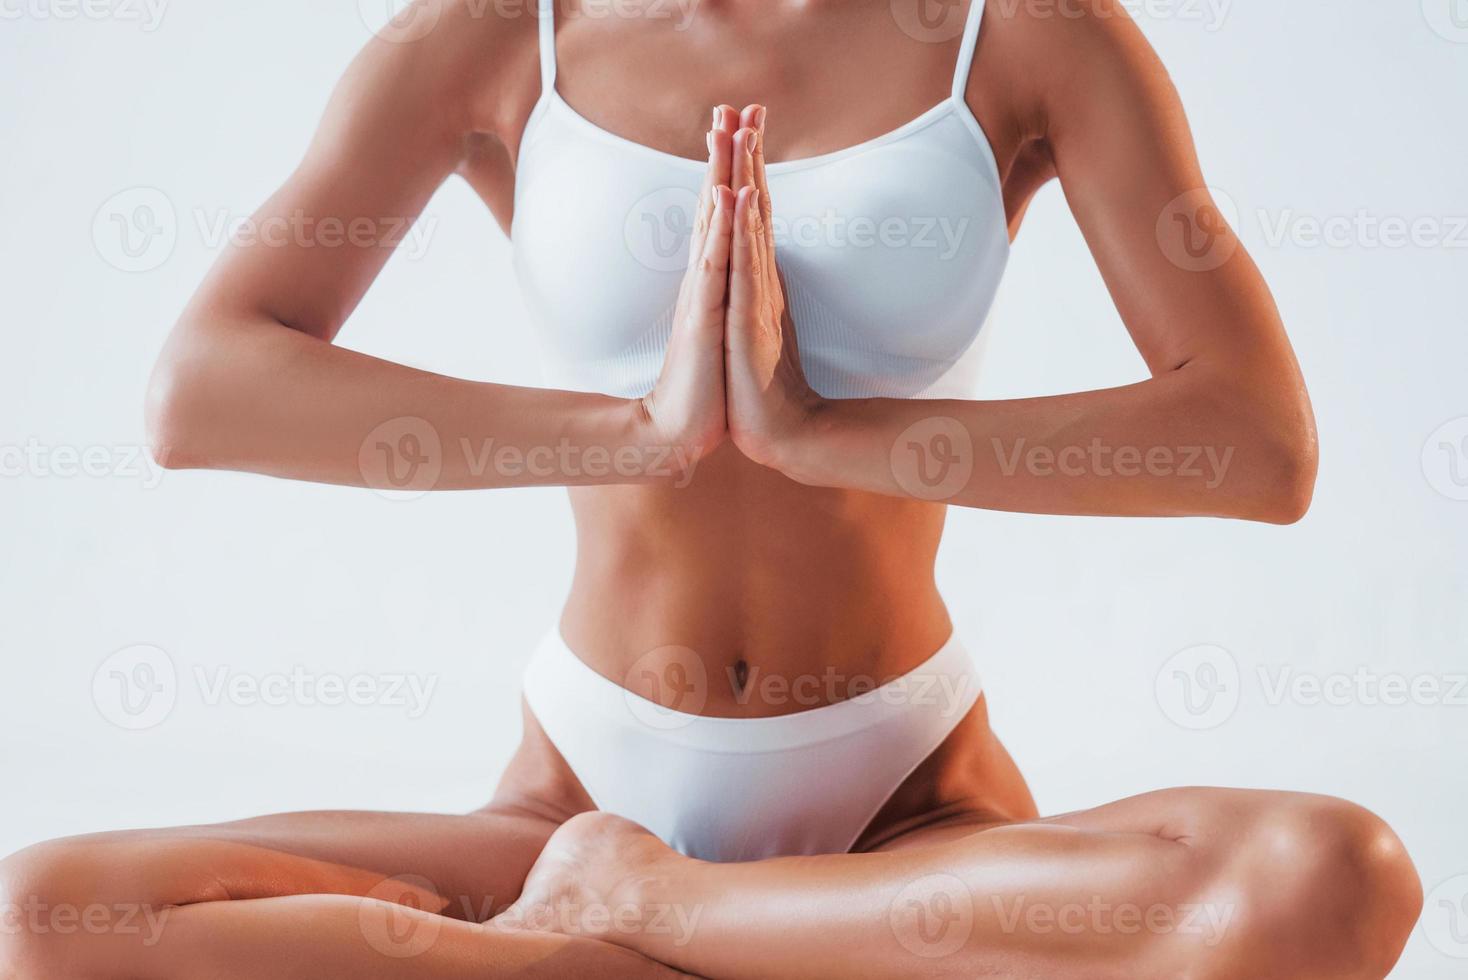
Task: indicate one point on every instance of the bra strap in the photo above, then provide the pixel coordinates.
(966, 49)
(546, 14)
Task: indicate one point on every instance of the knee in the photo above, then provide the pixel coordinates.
(38, 887)
(1327, 886)
(59, 903)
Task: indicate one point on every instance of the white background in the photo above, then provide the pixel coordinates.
(1348, 111)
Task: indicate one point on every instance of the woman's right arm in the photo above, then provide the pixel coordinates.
(250, 380)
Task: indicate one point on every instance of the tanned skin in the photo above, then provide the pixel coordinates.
(797, 547)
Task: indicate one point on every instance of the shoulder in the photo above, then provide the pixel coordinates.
(462, 65)
(1061, 58)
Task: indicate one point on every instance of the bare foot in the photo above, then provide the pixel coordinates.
(600, 876)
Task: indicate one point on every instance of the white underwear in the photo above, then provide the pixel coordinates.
(741, 789)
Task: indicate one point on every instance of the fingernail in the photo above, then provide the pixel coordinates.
(759, 118)
(717, 120)
(753, 140)
(709, 139)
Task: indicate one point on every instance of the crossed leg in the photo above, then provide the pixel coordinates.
(307, 895)
(1184, 883)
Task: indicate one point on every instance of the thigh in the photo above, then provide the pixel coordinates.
(463, 866)
(332, 893)
(460, 866)
(89, 905)
(1201, 817)
(1270, 882)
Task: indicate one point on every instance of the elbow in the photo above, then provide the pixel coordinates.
(171, 416)
(1284, 485)
(1271, 450)
(1291, 485)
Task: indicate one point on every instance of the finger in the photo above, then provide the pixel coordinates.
(759, 242)
(702, 210)
(717, 172)
(725, 122)
(721, 158)
(745, 143)
(753, 117)
(745, 140)
(726, 119)
(745, 266)
(761, 181)
(712, 282)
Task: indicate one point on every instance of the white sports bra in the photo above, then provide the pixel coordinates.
(892, 249)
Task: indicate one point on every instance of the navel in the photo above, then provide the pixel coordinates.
(740, 675)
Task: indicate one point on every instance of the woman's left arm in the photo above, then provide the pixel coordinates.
(1223, 427)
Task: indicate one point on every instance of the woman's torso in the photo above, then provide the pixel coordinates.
(769, 582)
